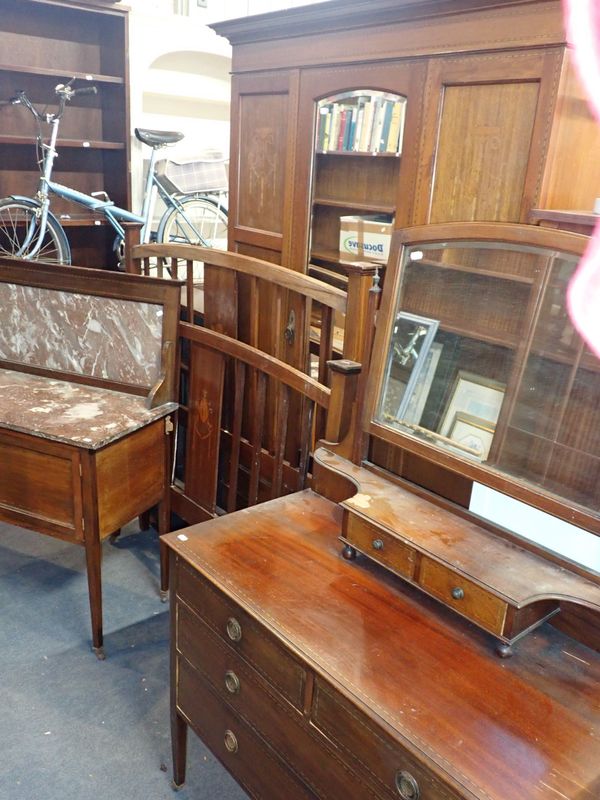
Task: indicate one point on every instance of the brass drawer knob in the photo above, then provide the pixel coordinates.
(377, 544)
(458, 593)
(407, 787)
(234, 629)
(232, 682)
(231, 742)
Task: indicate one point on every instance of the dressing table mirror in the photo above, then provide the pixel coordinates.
(479, 375)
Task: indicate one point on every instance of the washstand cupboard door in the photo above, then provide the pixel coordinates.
(380, 177)
(487, 125)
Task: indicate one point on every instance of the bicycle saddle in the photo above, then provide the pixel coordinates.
(157, 138)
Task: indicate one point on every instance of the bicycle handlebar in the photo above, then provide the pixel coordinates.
(85, 90)
(64, 92)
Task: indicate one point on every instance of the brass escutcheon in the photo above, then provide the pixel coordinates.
(234, 629)
(232, 682)
(231, 742)
(407, 787)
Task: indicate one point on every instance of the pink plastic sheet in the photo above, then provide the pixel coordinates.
(582, 19)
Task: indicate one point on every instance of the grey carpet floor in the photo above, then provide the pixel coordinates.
(73, 727)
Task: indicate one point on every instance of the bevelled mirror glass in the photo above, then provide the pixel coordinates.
(482, 361)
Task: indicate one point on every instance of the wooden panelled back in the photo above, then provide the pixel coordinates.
(243, 437)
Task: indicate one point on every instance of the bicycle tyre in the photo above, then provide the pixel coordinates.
(200, 221)
(16, 217)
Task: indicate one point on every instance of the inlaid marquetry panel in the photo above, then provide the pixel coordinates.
(482, 151)
(262, 161)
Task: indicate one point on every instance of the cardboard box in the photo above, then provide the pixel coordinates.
(365, 238)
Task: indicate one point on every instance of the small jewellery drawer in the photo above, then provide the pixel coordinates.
(243, 753)
(463, 596)
(245, 636)
(401, 774)
(250, 696)
(381, 546)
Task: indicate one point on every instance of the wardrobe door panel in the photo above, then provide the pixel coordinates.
(261, 146)
(488, 122)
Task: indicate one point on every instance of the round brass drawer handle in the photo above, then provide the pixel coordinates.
(407, 787)
(377, 544)
(231, 742)
(458, 593)
(234, 629)
(232, 682)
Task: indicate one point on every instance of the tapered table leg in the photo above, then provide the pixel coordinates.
(93, 557)
(179, 730)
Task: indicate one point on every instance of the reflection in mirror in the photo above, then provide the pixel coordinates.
(484, 362)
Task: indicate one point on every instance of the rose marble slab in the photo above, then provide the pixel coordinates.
(103, 337)
(84, 416)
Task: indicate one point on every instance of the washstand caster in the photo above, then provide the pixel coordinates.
(177, 786)
(349, 553)
(164, 595)
(100, 654)
(504, 650)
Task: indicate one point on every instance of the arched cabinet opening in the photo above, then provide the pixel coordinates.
(357, 153)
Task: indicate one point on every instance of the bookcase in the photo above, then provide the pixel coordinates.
(44, 42)
(357, 155)
(494, 113)
(495, 126)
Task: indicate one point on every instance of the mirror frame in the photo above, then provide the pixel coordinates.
(454, 232)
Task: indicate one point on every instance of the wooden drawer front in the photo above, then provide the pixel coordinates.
(251, 762)
(378, 544)
(241, 632)
(465, 597)
(221, 664)
(251, 697)
(400, 773)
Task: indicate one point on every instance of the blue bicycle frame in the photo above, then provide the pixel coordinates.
(114, 214)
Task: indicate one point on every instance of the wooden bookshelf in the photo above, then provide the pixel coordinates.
(43, 43)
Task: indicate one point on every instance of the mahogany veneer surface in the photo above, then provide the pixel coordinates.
(527, 728)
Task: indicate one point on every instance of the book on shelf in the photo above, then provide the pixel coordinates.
(387, 110)
(396, 129)
(365, 136)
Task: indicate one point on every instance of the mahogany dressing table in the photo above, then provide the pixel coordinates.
(373, 637)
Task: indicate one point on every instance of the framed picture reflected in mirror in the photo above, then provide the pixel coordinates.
(410, 367)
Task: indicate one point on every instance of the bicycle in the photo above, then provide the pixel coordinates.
(29, 230)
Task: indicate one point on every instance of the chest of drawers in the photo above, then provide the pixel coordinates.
(311, 678)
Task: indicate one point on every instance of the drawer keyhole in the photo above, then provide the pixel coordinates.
(407, 787)
(377, 544)
(231, 742)
(458, 593)
(234, 629)
(232, 682)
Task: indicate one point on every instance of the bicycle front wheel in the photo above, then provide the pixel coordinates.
(19, 234)
(198, 220)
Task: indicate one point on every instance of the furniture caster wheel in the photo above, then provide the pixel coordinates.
(504, 650)
(114, 537)
(164, 595)
(100, 654)
(349, 553)
(177, 786)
